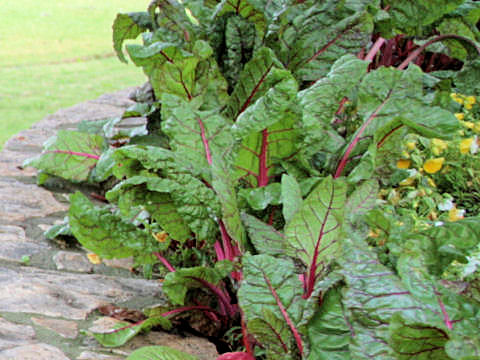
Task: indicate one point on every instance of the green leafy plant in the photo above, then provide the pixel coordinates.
(272, 140)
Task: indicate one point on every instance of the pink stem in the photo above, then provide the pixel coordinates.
(87, 155)
(446, 318)
(375, 48)
(188, 308)
(285, 315)
(219, 251)
(205, 142)
(263, 168)
(164, 262)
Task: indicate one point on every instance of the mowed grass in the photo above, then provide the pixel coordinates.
(56, 53)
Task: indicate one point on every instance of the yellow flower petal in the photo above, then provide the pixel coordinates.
(431, 166)
(455, 214)
(468, 124)
(407, 182)
(403, 164)
(465, 145)
(470, 100)
(468, 106)
(161, 236)
(431, 182)
(94, 258)
(438, 146)
(460, 116)
(457, 98)
(476, 128)
(411, 145)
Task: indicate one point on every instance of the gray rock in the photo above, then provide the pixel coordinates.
(33, 352)
(67, 295)
(14, 244)
(64, 328)
(88, 355)
(72, 261)
(12, 335)
(22, 201)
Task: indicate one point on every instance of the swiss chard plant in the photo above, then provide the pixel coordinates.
(254, 190)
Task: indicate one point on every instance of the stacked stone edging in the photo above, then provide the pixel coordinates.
(48, 292)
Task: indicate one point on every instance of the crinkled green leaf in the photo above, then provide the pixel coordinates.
(244, 9)
(159, 353)
(361, 201)
(411, 17)
(126, 331)
(315, 231)
(195, 136)
(104, 233)
(104, 168)
(69, 154)
(132, 159)
(129, 26)
(310, 40)
(224, 188)
(328, 331)
(260, 198)
(192, 75)
(264, 291)
(466, 79)
(177, 283)
(233, 40)
(146, 193)
(456, 26)
(62, 229)
(415, 340)
(463, 347)
(264, 237)
(321, 101)
(256, 78)
(291, 197)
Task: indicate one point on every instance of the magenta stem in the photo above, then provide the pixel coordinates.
(374, 50)
(164, 262)
(263, 168)
(87, 155)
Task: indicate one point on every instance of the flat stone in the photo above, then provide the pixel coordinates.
(124, 263)
(12, 335)
(28, 141)
(88, 355)
(72, 261)
(33, 352)
(199, 347)
(11, 164)
(68, 295)
(22, 201)
(65, 328)
(14, 244)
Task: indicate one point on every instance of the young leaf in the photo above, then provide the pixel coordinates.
(121, 335)
(272, 304)
(70, 154)
(104, 233)
(129, 26)
(264, 238)
(159, 353)
(176, 284)
(291, 197)
(313, 235)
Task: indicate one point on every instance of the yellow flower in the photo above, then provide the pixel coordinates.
(403, 164)
(476, 128)
(455, 214)
(438, 146)
(161, 236)
(465, 145)
(411, 145)
(468, 106)
(431, 182)
(94, 258)
(470, 100)
(431, 166)
(468, 124)
(460, 116)
(407, 182)
(457, 98)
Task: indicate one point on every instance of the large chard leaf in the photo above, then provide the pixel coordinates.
(264, 237)
(321, 101)
(362, 200)
(129, 26)
(138, 191)
(191, 75)
(291, 197)
(195, 136)
(328, 331)
(314, 233)
(410, 17)
(244, 9)
(312, 38)
(272, 304)
(69, 154)
(104, 233)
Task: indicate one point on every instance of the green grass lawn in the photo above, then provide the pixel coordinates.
(54, 54)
